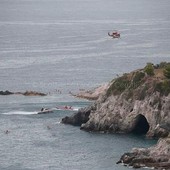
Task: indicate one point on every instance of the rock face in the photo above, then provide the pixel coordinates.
(118, 115)
(157, 157)
(77, 119)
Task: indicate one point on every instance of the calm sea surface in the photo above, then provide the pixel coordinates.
(51, 45)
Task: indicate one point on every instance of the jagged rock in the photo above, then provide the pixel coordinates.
(91, 94)
(77, 119)
(165, 125)
(6, 92)
(157, 156)
(33, 93)
(27, 93)
(118, 115)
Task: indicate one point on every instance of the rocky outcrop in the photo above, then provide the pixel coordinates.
(157, 157)
(31, 93)
(77, 119)
(6, 92)
(27, 93)
(91, 94)
(133, 103)
(118, 115)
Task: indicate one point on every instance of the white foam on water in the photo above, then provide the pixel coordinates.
(73, 109)
(76, 109)
(19, 113)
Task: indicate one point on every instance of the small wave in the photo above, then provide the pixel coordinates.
(19, 113)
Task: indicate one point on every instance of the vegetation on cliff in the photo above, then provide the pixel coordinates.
(149, 80)
(167, 71)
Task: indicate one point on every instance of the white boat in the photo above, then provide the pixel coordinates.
(44, 111)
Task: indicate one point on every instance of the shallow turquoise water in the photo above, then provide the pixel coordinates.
(63, 45)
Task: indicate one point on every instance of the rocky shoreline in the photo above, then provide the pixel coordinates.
(26, 93)
(157, 157)
(137, 102)
(91, 94)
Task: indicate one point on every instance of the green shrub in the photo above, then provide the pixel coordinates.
(163, 87)
(163, 64)
(149, 69)
(137, 79)
(166, 87)
(118, 86)
(167, 71)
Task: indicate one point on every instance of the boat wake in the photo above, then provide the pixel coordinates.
(36, 112)
(72, 109)
(19, 113)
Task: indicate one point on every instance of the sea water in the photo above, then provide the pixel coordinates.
(61, 46)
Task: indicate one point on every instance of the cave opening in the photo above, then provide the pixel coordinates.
(141, 126)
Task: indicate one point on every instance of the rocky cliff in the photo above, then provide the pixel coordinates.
(157, 157)
(137, 102)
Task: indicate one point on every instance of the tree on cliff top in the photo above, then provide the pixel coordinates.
(149, 69)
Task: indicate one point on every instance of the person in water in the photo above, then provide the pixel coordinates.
(115, 33)
(7, 131)
(68, 107)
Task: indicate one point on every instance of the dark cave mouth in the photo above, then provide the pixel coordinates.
(141, 126)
